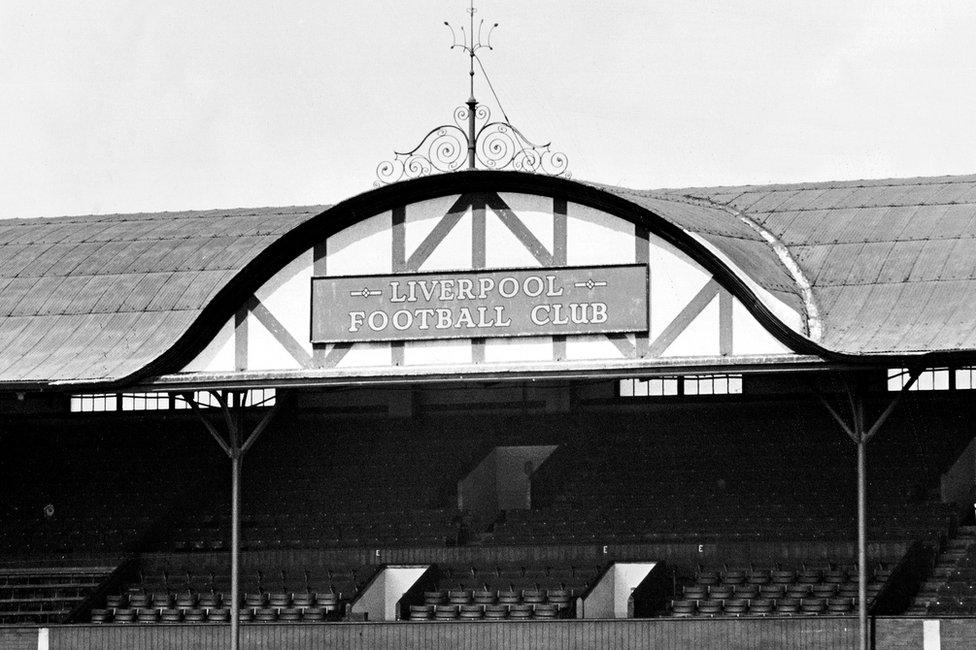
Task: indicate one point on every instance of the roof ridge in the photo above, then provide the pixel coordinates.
(215, 213)
(907, 181)
(811, 310)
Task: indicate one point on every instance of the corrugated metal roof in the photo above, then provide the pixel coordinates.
(892, 263)
(97, 298)
(887, 266)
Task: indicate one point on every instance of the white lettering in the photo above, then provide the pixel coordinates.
(510, 282)
(482, 311)
(577, 312)
(500, 320)
(464, 318)
(484, 286)
(557, 315)
(551, 284)
(447, 289)
(443, 318)
(356, 319)
(538, 289)
(464, 286)
(394, 296)
(427, 291)
(378, 321)
(423, 315)
(599, 313)
(402, 319)
(536, 317)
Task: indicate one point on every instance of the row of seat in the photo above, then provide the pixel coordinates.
(540, 611)
(795, 590)
(214, 615)
(762, 607)
(327, 600)
(560, 598)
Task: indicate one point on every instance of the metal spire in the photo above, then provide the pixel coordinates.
(493, 144)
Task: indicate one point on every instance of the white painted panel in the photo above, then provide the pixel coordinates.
(453, 253)
(286, 296)
(627, 576)
(700, 338)
(517, 349)
(264, 352)
(502, 247)
(43, 638)
(599, 602)
(535, 212)
(365, 247)
(420, 219)
(372, 600)
(367, 354)
(784, 312)
(749, 337)
(425, 353)
(595, 237)
(218, 356)
(595, 346)
(399, 579)
(931, 635)
(675, 279)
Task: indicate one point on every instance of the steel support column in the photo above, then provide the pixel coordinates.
(862, 540)
(235, 523)
(858, 432)
(234, 448)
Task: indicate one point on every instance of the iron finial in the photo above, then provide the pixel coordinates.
(473, 138)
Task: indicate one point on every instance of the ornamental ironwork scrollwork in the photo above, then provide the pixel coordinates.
(473, 139)
(498, 145)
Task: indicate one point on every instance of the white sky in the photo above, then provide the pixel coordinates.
(144, 106)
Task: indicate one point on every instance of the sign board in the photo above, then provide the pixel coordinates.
(480, 304)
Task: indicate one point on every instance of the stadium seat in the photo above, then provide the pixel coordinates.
(170, 615)
(313, 614)
(101, 616)
(736, 606)
(290, 614)
(761, 607)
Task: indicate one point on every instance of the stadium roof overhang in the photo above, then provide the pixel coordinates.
(735, 234)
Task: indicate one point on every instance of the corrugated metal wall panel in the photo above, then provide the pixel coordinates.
(826, 633)
(18, 638)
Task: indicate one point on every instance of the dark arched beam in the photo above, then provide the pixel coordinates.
(342, 215)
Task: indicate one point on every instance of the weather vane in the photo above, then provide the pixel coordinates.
(473, 139)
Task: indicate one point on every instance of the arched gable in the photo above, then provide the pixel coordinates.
(691, 311)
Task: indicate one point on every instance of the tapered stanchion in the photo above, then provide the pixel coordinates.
(858, 432)
(235, 447)
(235, 533)
(862, 549)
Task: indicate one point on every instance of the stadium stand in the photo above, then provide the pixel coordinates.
(192, 594)
(950, 587)
(501, 592)
(735, 510)
(806, 589)
(45, 595)
(686, 479)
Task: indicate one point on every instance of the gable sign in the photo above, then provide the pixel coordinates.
(486, 282)
(483, 304)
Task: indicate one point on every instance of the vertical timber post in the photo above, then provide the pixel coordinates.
(235, 523)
